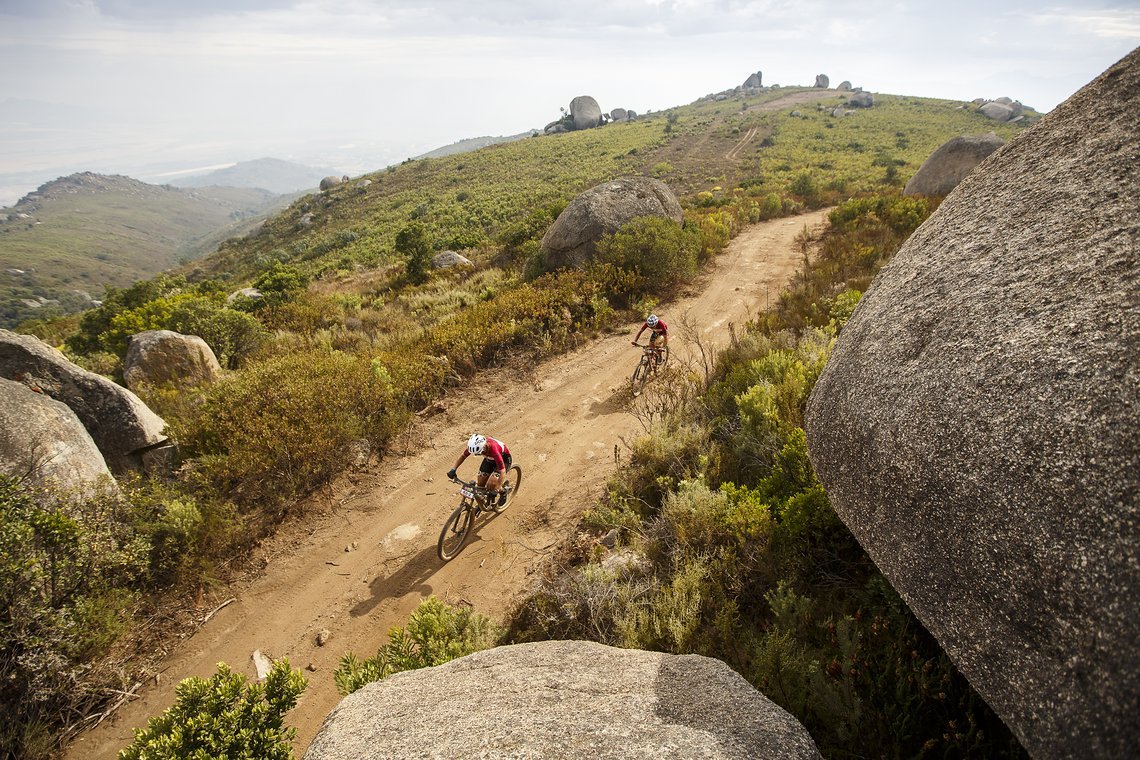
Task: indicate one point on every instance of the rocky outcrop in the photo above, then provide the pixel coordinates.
(43, 442)
(585, 112)
(822, 81)
(977, 425)
(252, 293)
(860, 99)
(449, 259)
(844, 86)
(950, 163)
(330, 182)
(167, 358)
(619, 114)
(559, 700)
(121, 425)
(571, 240)
(755, 80)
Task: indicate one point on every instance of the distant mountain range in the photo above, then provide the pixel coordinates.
(61, 245)
(272, 174)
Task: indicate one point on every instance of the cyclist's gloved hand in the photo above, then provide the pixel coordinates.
(451, 473)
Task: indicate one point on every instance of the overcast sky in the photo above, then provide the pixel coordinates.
(149, 87)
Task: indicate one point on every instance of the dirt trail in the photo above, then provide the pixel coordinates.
(368, 560)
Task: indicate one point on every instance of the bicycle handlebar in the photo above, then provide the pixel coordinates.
(469, 484)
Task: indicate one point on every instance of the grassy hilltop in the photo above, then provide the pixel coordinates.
(472, 199)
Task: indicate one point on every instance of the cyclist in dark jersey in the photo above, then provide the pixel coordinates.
(496, 462)
(658, 335)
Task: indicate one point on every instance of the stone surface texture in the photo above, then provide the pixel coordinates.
(43, 442)
(559, 700)
(571, 240)
(117, 420)
(167, 358)
(950, 163)
(978, 425)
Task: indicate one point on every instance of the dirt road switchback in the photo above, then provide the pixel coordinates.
(363, 561)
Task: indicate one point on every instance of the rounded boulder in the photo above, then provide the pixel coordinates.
(560, 700)
(167, 358)
(572, 240)
(950, 163)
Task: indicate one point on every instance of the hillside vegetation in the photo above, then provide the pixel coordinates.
(354, 334)
(87, 231)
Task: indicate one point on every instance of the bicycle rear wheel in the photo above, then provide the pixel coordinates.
(511, 483)
(454, 533)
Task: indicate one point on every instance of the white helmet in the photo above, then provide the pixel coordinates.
(652, 320)
(476, 443)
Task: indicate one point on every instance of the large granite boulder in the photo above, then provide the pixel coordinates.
(42, 441)
(997, 111)
(571, 240)
(950, 163)
(619, 114)
(331, 181)
(821, 80)
(585, 112)
(122, 426)
(559, 700)
(977, 426)
(754, 80)
(167, 358)
(860, 99)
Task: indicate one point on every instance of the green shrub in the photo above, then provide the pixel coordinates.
(232, 335)
(436, 633)
(661, 253)
(413, 243)
(224, 717)
(66, 572)
(282, 426)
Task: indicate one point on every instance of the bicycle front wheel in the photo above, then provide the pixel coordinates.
(511, 483)
(638, 376)
(454, 533)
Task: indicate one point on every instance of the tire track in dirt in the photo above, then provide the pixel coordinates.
(364, 559)
(732, 154)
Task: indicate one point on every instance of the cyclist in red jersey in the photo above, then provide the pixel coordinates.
(659, 333)
(496, 462)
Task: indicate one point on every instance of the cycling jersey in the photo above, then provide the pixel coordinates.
(661, 327)
(498, 454)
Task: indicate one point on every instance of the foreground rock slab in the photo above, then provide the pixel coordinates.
(977, 426)
(563, 699)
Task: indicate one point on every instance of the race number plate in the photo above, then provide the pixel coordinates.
(467, 492)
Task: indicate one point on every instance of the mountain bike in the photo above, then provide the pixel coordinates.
(653, 358)
(474, 501)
